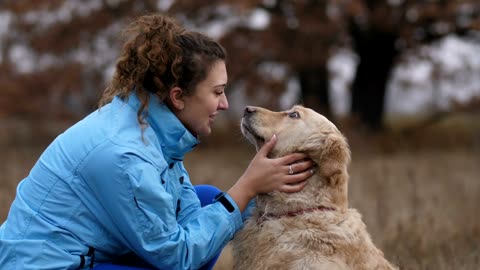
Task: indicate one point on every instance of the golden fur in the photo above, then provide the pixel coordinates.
(332, 237)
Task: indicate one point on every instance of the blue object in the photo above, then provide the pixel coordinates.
(107, 186)
(107, 266)
(206, 194)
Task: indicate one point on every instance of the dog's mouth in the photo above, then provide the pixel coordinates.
(250, 133)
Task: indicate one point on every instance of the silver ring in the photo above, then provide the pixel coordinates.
(290, 171)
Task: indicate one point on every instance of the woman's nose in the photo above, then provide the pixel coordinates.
(223, 105)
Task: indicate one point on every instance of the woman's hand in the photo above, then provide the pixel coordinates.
(263, 175)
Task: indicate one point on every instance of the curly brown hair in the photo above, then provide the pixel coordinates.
(159, 54)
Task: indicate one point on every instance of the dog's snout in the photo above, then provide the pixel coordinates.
(248, 111)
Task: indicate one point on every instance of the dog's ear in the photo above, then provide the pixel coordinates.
(330, 151)
(335, 157)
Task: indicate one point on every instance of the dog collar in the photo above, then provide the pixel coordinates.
(268, 216)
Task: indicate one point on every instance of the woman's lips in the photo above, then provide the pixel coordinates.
(212, 117)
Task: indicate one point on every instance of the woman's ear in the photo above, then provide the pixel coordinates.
(176, 96)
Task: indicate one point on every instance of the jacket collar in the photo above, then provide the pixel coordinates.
(175, 140)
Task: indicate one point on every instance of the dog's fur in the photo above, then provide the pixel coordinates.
(328, 234)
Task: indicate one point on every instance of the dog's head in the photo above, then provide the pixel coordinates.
(303, 130)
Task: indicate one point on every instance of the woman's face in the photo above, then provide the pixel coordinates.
(208, 99)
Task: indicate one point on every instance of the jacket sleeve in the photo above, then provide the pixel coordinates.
(142, 214)
(189, 192)
(188, 195)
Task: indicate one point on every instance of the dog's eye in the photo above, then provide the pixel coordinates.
(294, 114)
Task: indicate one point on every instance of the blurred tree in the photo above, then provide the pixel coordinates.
(304, 33)
(300, 34)
(374, 43)
(381, 30)
(55, 55)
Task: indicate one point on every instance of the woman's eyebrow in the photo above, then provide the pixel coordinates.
(223, 85)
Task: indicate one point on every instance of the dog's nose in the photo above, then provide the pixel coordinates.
(248, 111)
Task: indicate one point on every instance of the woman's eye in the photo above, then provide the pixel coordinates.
(219, 93)
(294, 115)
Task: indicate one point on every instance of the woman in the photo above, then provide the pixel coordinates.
(114, 184)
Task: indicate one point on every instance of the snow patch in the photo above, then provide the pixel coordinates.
(342, 68)
(44, 18)
(23, 58)
(5, 20)
(258, 19)
(435, 78)
(164, 5)
(291, 94)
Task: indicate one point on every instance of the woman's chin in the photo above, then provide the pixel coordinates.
(203, 133)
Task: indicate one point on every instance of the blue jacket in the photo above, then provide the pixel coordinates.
(99, 191)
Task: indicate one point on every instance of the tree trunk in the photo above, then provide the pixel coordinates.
(314, 89)
(376, 51)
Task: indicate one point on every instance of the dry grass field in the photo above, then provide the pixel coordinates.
(419, 195)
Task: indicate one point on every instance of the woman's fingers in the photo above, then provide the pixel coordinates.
(298, 177)
(297, 165)
(296, 182)
(292, 158)
(294, 187)
(300, 166)
(268, 146)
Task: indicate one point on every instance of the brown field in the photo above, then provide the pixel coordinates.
(419, 195)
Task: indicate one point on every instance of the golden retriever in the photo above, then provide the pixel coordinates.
(314, 228)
